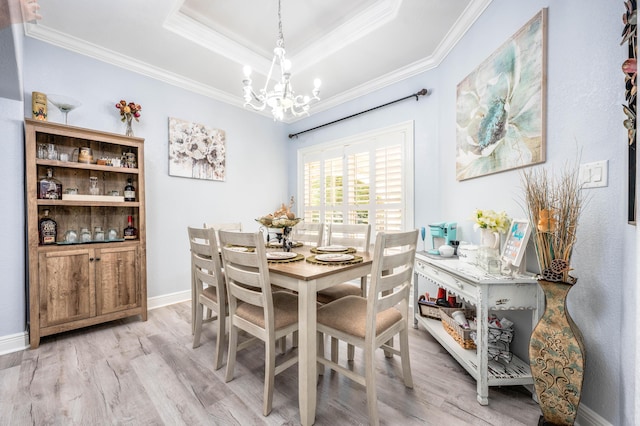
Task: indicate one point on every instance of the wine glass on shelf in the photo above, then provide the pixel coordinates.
(63, 103)
(423, 235)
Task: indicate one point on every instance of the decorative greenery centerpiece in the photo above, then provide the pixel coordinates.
(489, 219)
(556, 347)
(554, 207)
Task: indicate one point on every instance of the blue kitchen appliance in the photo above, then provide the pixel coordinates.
(442, 233)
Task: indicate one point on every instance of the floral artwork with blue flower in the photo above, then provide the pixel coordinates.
(500, 111)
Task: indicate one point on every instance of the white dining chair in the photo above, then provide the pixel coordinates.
(230, 226)
(370, 323)
(208, 287)
(349, 235)
(309, 233)
(254, 308)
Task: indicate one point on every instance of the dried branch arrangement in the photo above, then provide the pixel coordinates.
(554, 206)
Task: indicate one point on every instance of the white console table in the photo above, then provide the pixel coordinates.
(486, 292)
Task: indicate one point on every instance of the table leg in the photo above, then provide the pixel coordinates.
(307, 341)
(482, 314)
(415, 300)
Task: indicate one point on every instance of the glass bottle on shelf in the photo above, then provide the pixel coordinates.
(93, 186)
(130, 233)
(48, 229)
(98, 234)
(49, 187)
(129, 191)
(85, 235)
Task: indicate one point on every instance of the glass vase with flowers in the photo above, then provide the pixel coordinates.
(129, 112)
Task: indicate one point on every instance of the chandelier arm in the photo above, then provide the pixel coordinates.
(254, 107)
(282, 99)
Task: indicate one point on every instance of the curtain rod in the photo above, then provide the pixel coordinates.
(415, 95)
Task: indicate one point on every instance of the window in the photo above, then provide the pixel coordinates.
(366, 178)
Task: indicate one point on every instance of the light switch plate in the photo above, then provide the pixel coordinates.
(594, 175)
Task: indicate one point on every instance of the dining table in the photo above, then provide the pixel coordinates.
(307, 279)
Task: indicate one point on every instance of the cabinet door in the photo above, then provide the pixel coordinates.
(117, 279)
(65, 285)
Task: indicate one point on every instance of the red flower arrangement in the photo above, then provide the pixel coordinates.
(128, 110)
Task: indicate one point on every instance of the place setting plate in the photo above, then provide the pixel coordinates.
(334, 257)
(332, 249)
(281, 255)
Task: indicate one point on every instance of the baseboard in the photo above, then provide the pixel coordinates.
(14, 343)
(588, 417)
(168, 299)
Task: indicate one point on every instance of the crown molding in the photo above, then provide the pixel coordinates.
(349, 32)
(100, 53)
(462, 25)
(354, 29)
(200, 34)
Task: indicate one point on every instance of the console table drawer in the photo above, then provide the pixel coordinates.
(461, 288)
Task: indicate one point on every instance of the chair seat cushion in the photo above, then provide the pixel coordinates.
(338, 292)
(349, 315)
(210, 293)
(285, 310)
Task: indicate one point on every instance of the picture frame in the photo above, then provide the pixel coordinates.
(515, 244)
(196, 150)
(501, 106)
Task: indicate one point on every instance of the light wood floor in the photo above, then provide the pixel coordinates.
(130, 372)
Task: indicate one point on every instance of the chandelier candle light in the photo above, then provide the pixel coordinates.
(282, 99)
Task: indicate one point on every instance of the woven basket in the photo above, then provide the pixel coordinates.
(429, 308)
(459, 334)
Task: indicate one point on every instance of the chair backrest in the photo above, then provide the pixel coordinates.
(391, 274)
(205, 260)
(247, 272)
(225, 226)
(352, 235)
(230, 226)
(308, 233)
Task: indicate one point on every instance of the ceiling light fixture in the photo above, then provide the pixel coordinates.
(282, 100)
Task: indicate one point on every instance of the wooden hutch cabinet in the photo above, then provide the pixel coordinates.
(73, 284)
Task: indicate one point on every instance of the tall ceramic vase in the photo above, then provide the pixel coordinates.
(557, 358)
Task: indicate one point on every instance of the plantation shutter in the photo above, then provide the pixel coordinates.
(362, 179)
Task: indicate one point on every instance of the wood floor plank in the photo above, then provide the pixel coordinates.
(130, 372)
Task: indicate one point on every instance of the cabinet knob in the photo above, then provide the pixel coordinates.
(91, 259)
(97, 258)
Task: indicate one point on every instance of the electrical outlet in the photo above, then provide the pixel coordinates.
(594, 175)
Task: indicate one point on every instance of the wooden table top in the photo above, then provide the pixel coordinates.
(303, 270)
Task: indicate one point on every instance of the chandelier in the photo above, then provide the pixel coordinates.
(281, 99)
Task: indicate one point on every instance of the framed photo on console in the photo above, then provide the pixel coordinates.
(516, 242)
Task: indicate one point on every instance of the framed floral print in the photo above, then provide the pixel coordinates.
(196, 150)
(500, 117)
